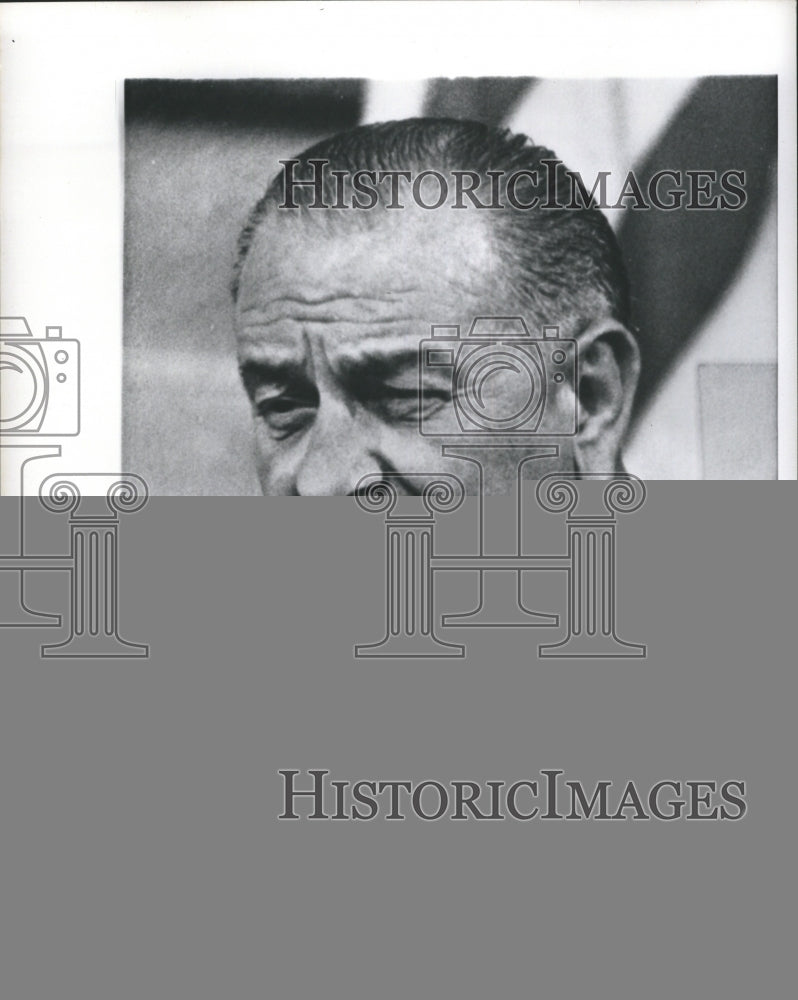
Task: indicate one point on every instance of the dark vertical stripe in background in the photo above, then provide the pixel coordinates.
(680, 263)
(486, 99)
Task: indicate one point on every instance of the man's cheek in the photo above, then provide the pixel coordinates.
(273, 474)
(264, 472)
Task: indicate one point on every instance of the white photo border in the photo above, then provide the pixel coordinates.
(62, 138)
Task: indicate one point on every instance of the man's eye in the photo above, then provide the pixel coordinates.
(402, 405)
(398, 404)
(284, 415)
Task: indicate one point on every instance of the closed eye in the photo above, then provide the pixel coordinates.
(285, 413)
(400, 404)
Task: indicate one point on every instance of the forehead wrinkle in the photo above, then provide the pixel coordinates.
(391, 297)
(376, 348)
(326, 310)
(247, 330)
(275, 353)
(320, 299)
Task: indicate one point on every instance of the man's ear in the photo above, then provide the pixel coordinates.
(608, 368)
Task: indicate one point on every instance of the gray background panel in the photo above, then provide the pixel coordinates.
(140, 851)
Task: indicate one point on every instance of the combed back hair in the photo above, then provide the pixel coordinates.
(560, 262)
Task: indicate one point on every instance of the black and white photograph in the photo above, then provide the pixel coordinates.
(335, 225)
(512, 719)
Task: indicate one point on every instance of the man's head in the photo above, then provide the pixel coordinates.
(332, 304)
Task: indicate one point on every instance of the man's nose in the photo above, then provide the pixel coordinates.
(342, 448)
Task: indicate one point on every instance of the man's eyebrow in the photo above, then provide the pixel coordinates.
(260, 371)
(372, 361)
(378, 362)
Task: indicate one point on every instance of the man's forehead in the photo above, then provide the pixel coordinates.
(343, 328)
(388, 258)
